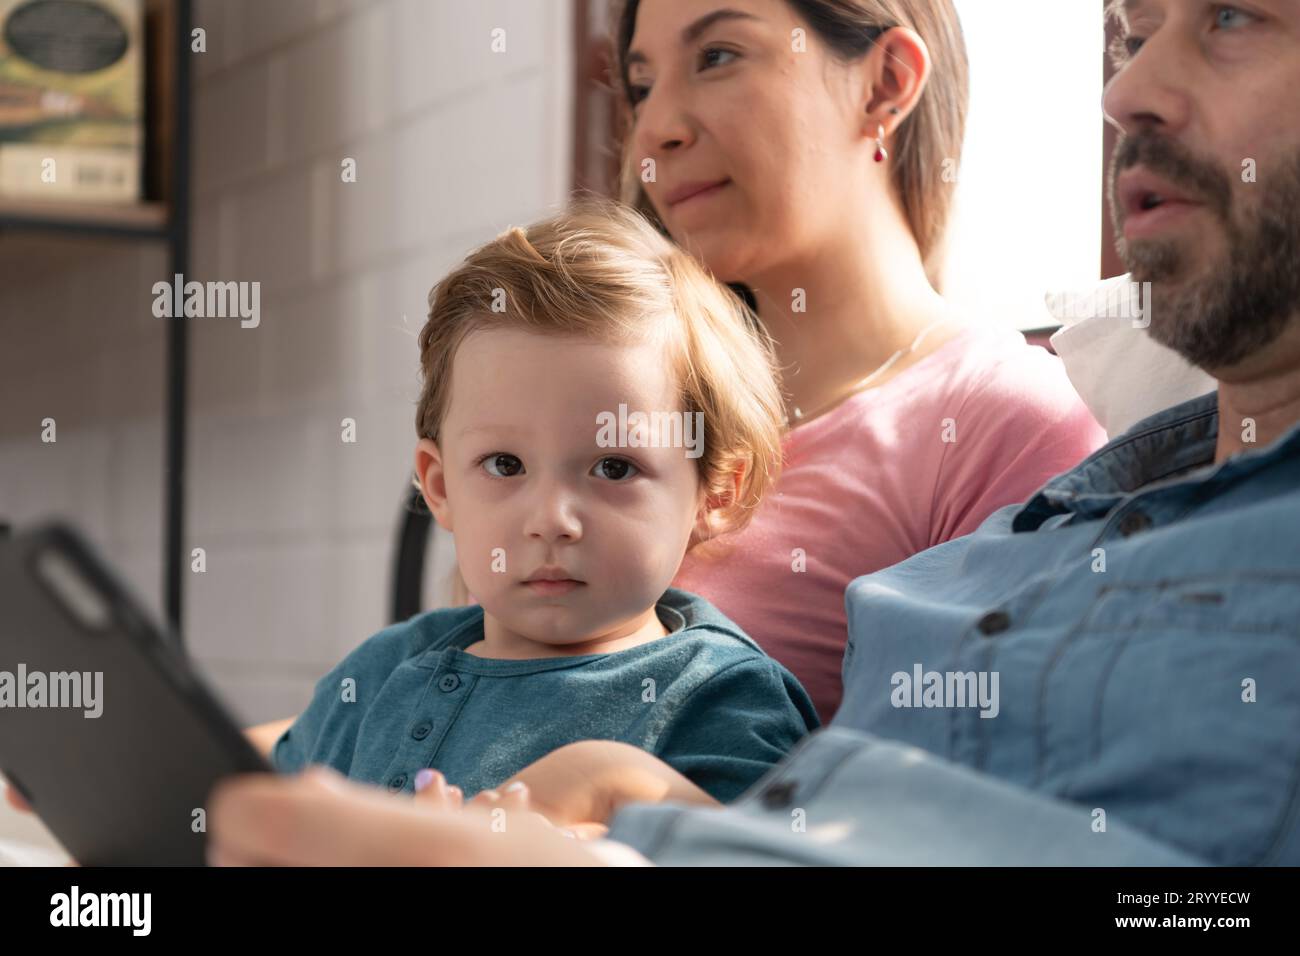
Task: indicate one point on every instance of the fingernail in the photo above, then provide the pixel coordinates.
(423, 779)
(517, 785)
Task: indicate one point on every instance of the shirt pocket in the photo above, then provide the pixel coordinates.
(1194, 723)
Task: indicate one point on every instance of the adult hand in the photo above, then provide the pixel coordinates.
(319, 818)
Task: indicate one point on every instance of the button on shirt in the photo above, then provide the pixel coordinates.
(705, 699)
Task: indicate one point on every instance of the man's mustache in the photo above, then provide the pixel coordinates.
(1200, 180)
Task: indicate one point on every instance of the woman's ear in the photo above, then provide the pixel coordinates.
(433, 480)
(897, 70)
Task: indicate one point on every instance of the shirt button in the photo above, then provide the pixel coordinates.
(779, 795)
(421, 731)
(448, 683)
(994, 622)
(1133, 522)
(397, 783)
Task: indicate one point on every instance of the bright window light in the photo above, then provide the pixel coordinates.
(1027, 218)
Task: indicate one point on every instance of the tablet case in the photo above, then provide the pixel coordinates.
(126, 787)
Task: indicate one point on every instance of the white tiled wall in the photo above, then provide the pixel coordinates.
(453, 142)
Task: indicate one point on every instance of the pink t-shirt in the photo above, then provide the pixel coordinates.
(980, 423)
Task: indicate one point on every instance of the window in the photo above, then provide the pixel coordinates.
(1028, 211)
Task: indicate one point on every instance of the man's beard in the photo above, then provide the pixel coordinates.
(1240, 305)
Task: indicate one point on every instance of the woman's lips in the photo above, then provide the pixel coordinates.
(548, 588)
(703, 192)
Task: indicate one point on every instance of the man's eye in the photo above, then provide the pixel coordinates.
(1123, 49)
(615, 469)
(1228, 17)
(637, 92)
(508, 464)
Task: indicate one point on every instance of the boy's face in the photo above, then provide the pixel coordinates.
(519, 477)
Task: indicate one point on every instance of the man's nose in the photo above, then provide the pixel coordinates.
(1153, 90)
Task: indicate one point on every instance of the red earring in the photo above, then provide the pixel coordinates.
(881, 153)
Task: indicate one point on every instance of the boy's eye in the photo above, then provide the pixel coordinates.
(615, 469)
(508, 464)
(637, 92)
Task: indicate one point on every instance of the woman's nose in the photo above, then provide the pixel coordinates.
(663, 125)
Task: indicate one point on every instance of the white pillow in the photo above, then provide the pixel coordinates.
(1121, 373)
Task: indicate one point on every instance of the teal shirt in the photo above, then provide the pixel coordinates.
(705, 699)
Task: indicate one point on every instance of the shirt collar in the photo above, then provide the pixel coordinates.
(1169, 443)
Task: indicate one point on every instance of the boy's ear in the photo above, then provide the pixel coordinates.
(703, 529)
(433, 480)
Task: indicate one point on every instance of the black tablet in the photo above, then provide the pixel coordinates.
(104, 726)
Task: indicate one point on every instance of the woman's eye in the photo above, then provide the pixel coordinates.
(508, 464)
(1133, 44)
(708, 57)
(615, 469)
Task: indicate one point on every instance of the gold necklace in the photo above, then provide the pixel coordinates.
(862, 383)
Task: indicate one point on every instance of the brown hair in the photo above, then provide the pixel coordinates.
(931, 134)
(601, 272)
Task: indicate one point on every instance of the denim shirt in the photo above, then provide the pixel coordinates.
(1141, 615)
(705, 699)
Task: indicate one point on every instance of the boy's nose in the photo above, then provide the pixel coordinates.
(553, 516)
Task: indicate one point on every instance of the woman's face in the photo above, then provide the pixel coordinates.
(744, 99)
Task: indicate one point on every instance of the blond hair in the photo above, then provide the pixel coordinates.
(928, 142)
(601, 272)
